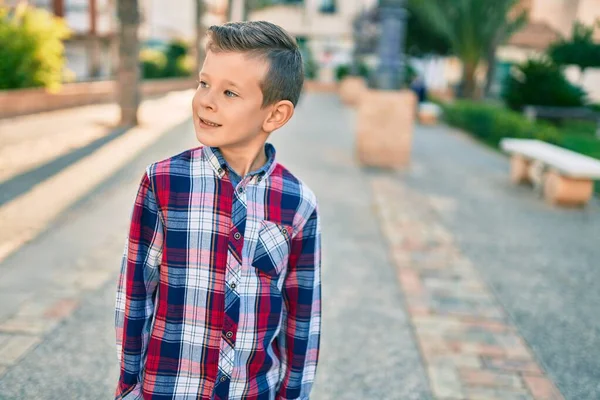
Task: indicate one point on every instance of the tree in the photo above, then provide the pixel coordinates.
(540, 82)
(473, 27)
(129, 65)
(32, 51)
(420, 38)
(579, 50)
(200, 32)
(504, 32)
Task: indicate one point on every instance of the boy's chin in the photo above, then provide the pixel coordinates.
(209, 140)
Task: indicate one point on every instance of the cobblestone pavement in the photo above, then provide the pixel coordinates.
(368, 350)
(414, 306)
(23, 214)
(469, 345)
(541, 262)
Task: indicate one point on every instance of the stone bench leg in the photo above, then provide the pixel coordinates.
(519, 169)
(562, 190)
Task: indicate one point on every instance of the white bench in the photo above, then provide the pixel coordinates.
(563, 176)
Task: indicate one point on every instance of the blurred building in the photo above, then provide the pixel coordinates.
(92, 47)
(164, 20)
(324, 26)
(550, 20)
(92, 50)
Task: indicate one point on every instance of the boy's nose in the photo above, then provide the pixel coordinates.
(204, 100)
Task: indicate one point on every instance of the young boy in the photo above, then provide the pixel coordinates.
(219, 295)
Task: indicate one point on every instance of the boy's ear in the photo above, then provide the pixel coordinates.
(280, 114)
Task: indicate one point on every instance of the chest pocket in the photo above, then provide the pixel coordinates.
(272, 248)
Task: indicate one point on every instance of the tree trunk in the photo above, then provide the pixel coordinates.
(491, 71)
(468, 82)
(200, 32)
(129, 66)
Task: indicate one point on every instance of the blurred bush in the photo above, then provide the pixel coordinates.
(343, 70)
(491, 123)
(153, 63)
(173, 61)
(311, 68)
(31, 48)
(540, 82)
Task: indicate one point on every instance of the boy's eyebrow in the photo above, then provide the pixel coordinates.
(226, 80)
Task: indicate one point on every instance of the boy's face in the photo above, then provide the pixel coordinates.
(229, 95)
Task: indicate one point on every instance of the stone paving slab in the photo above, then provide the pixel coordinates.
(470, 347)
(23, 217)
(46, 136)
(369, 351)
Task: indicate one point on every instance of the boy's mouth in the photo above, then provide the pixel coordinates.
(208, 123)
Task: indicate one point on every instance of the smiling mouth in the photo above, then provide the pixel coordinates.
(209, 123)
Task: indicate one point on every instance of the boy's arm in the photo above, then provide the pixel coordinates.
(136, 288)
(301, 330)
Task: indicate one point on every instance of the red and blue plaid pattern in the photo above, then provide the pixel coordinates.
(219, 295)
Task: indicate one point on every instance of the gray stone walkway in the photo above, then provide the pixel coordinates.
(541, 262)
(368, 352)
(536, 268)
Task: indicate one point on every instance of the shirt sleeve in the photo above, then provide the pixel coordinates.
(301, 330)
(136, 289)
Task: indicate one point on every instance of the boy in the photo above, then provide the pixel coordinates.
(219, 293)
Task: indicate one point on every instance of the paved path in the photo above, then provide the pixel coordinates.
(368, 348)
(390, 327)
(540, 262)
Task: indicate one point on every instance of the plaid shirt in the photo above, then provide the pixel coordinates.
(219, 295)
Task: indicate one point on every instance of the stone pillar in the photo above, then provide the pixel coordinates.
(386, 113)
(351, 90)
(385, 126)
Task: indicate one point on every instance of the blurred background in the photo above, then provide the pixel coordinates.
(457, 264)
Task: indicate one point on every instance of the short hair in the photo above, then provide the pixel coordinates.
(270, 42)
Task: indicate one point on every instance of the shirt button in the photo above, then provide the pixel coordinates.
(237, 236)
(220, 170)
(229, 334)
(223, 378)
(233, 286)
(241, 190)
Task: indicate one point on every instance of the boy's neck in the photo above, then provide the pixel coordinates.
(244, 159)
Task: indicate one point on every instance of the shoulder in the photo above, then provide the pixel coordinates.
(177, 164)
(295, 195)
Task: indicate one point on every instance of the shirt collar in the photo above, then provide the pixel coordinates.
(214, 156)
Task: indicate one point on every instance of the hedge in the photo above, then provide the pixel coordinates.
(491, 123)
(31, 48)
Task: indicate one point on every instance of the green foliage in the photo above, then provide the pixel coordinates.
(420, 38)
(31, 48)
(584, 144)
(472, 28)
(578, 128)
(311, 68)
(579, 50)
(153, 63)
(491, 123)
(540, 82)
(176, 50)
(343, 70)
(173, 61)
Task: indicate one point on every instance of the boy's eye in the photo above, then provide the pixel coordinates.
(229, 93)
(202, 84)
